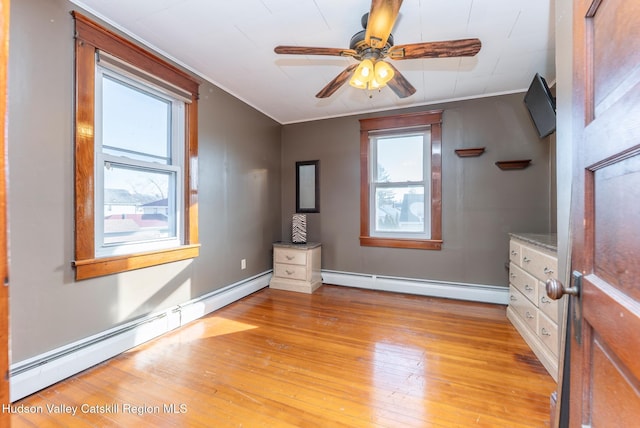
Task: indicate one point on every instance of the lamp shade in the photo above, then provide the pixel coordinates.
(362, 75)
(374, 84)
(383, 73)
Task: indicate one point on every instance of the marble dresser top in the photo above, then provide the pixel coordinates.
(548, 241)
(305, 246)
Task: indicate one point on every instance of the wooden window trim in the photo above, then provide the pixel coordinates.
(431, 118)
(90, 37)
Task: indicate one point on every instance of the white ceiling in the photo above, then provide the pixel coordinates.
(230, 43)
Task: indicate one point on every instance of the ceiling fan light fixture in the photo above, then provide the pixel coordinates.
(363, 74)
(383, 73)
(375, 84)
(375, 43)
(357, 83)
(365, 70)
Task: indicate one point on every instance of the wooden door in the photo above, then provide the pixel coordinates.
(4, 298)
(605, 355)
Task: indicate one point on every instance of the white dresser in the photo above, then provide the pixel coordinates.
(296, 267)
(532, 260)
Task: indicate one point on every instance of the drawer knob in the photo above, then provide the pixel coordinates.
(528, 287)
(528, 314)
(513, 298)
(526, 259)
(547, 271)
(545, 332)
(514, 253)
(290, 257)
(289, 272)
(544, 299)
(512, 275)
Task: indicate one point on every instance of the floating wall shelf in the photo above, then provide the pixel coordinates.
(513, 164)
(467, 153)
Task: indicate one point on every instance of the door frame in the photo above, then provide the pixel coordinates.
(5, 419)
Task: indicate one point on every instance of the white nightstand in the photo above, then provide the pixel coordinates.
(296, 267)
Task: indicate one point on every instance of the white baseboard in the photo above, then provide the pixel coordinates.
(449, 290)
(41, 371)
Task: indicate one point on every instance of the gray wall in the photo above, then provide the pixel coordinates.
(481, 204)
(239, 198)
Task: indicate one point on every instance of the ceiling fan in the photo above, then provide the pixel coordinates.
(371, 45)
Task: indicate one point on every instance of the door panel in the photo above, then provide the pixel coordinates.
(610, 382)
(605, 368)
(615, 185)
(616, 36)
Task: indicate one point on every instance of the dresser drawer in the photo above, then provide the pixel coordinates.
(546, 305)
(548, 333)
(515, 252)
(524, 308)
(290, 271)
(293, 257)
(524, 282)
(539, 264)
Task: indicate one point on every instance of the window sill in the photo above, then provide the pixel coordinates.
(417, 244)
(92, 268)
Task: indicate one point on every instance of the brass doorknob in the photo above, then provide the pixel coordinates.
(556, 290)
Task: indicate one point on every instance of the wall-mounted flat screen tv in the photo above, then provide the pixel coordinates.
(541, 105)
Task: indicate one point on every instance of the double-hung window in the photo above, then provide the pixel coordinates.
(139, 137)
(400, 181)
(136, 156)
(399, 191)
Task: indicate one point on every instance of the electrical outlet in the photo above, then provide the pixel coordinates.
(243, 264)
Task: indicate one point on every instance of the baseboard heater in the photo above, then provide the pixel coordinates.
(41, 371)
(450, 290)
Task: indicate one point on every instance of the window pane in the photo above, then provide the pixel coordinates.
(400, 209)
(138, 204)
(134, 123)
(400, 158)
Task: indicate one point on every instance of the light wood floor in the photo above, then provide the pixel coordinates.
(342, 357)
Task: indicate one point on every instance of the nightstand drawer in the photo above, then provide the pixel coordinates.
(293, 257)
(290, 271)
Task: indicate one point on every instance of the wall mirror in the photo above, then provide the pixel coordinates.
(308, 186)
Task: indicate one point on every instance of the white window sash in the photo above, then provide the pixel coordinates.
(135, 73)
(425, 183)
(177, 129)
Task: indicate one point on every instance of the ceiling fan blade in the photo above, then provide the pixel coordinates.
(449, 48)
(337, 82)
(400, 85)
(382, 16)
(306, 50)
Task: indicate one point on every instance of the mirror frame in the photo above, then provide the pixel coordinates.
(304, 184)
